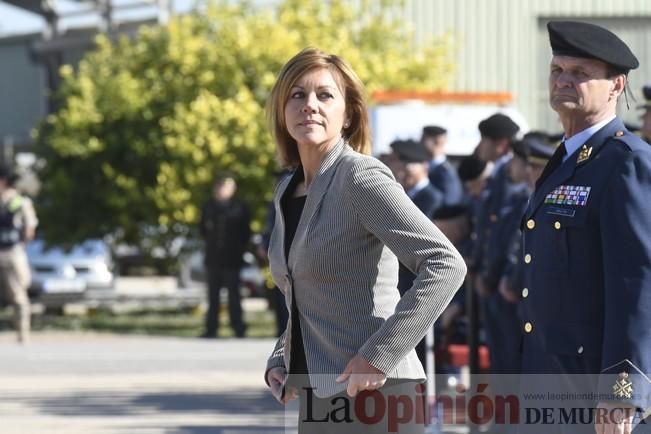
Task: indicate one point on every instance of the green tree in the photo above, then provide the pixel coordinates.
(146, 122)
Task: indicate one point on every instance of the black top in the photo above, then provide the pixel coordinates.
(292, 208)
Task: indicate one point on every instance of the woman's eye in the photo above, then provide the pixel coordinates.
(325, 95)
(297, 94)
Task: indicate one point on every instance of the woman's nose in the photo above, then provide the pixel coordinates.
(310, 104)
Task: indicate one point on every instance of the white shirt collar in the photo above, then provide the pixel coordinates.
(418, 187)
(576, 141)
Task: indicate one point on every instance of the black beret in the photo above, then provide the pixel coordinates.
(576, 39)
(433, 131)
(520, 149)
(498, 126)
(450, 212)
(471, 168)
(411, 151)
(646, 91)
(539, 152)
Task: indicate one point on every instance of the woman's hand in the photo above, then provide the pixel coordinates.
(361, 375)
(276, 378)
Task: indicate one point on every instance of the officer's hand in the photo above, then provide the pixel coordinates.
(361, 375)
(505, 291)
(276, 378)
(614, 418)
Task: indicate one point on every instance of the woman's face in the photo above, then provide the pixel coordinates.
(315, 113)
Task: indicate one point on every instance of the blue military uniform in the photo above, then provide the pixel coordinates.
(444, 178)
(587, 252)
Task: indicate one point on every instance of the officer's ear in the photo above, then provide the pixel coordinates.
(617, 85)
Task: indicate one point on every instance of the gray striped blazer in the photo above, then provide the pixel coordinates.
(343, 270)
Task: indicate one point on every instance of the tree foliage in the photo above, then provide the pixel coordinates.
(146, 122)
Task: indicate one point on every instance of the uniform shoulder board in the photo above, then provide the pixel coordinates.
(632, 141)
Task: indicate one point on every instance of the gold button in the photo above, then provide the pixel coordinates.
(525, 293)
(580, 350)
(557, 225)
(527, 258)
(531, 224)
(493, 218)
(619, 133)
(528, 327)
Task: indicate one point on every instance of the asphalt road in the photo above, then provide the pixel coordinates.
(73, 383)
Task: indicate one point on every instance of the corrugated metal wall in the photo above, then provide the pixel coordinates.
(501, 45)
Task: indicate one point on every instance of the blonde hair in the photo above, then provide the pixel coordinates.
(357, 134)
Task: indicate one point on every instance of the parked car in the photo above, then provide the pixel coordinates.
(67, 275)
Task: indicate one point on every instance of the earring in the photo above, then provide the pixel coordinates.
(346, 125)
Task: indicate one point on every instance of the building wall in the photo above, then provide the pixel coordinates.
(22, 90)
(502, 45)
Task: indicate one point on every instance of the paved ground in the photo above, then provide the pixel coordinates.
(76, 383)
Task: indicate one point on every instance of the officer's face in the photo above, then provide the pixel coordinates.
(517, 170)
(580, 88)
(316, 110)
(413, 174)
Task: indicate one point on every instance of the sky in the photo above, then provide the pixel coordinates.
(15, 21)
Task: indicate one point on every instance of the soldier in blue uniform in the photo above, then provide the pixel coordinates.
(586, 243)
(497, 133)
(442, 174)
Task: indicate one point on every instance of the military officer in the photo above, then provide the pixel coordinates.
(17, 226)
(442, 174)
(586, 243)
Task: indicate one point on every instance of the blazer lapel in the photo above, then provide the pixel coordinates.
(279, 223)
(567, 169)
(315, 193)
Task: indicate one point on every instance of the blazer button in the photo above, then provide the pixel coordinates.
(528, 327)
(580, 350)
(525, 293)
(531, 224)
(527, 258)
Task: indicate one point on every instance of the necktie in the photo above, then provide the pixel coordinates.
(553, 164)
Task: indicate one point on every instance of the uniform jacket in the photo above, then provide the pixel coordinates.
(428, 200)
(343, 270)
(445, 179)
(588, 267)
(225, 228)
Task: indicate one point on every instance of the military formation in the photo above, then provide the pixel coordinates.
(557, 241)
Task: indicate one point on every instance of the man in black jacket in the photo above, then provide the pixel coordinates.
(225, 227)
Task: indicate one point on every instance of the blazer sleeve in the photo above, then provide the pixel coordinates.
(626, 244)
(385, 211)
(276, 360)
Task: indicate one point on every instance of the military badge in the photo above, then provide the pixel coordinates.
(622, 387)
(569, 195)
(584, 154)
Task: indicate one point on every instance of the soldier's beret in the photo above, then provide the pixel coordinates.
(410, 151)
(450, 212)
(520, 149)
(498, 126)
(577, 39)
(471, 168)
(433, 131)
(539, 152)
(646, 91)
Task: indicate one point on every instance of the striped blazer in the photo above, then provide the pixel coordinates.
(342, 268)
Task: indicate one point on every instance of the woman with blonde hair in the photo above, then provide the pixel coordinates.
(342, 224)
